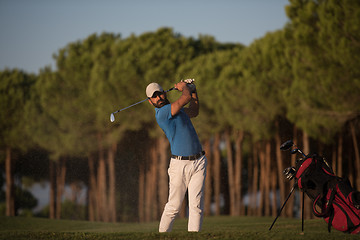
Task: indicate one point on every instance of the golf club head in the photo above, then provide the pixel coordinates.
(286, 145)
(289, 173)
(294, 151)
(112, 117)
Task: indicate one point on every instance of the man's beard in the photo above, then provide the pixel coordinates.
(161, 103)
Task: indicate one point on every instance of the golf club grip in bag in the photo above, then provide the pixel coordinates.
(334, 199)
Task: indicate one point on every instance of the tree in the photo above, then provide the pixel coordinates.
(15, 88)
(64, 121)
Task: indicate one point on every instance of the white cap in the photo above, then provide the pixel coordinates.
(153, 87)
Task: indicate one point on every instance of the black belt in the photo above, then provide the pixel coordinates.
(193, 157)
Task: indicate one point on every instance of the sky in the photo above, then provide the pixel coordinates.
(31, 31)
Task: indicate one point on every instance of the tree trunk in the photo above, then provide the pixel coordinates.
(273, 178)
(333, 159)
(102, 183)
(254, 202)
(290, 203)
(351, 171)
(339, 157)
(162, 166)
(262, 184)
(60, 184)
(10, 188)
(141, 192)
(112, 183)
(151, 181)
(52, 199)
(267, 177)
(280, 166)
(308, 204)
(154, 185)
(93, 210)
(101, 186)
(240, 210)
(217, 175)
(250, 179)
(148, 188)
(230, 169)
(208, 189)
(357, 155)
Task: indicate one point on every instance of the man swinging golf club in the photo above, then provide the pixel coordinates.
(187, 169)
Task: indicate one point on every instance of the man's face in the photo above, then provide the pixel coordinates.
(159, 99)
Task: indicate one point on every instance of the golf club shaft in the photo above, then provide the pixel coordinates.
(131, 105)
(139, 102)
(292, 190)
(112, 116)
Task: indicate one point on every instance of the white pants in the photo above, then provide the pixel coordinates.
(185, 175)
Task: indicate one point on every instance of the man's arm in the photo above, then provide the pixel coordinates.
(193, 109)
(184, 99)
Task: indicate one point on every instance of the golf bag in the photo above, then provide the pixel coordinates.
(333, 197)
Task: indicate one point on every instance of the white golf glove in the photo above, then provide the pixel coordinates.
(188, 80)
(190, 83)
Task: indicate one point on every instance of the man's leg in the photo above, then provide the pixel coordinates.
(177, 190)
(196, 195)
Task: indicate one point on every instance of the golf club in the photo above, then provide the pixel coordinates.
(112, 116)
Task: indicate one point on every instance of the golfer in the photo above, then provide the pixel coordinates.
(187, 169)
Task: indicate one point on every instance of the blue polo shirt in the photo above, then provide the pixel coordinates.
(179, 130)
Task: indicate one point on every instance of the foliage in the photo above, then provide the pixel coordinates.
(69, 211)
(252, 86)
(206, 69)
(15, 88)
(325, 51)
(24, 202)
(73, 211)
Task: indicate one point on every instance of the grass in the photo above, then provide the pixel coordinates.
(221, 228)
